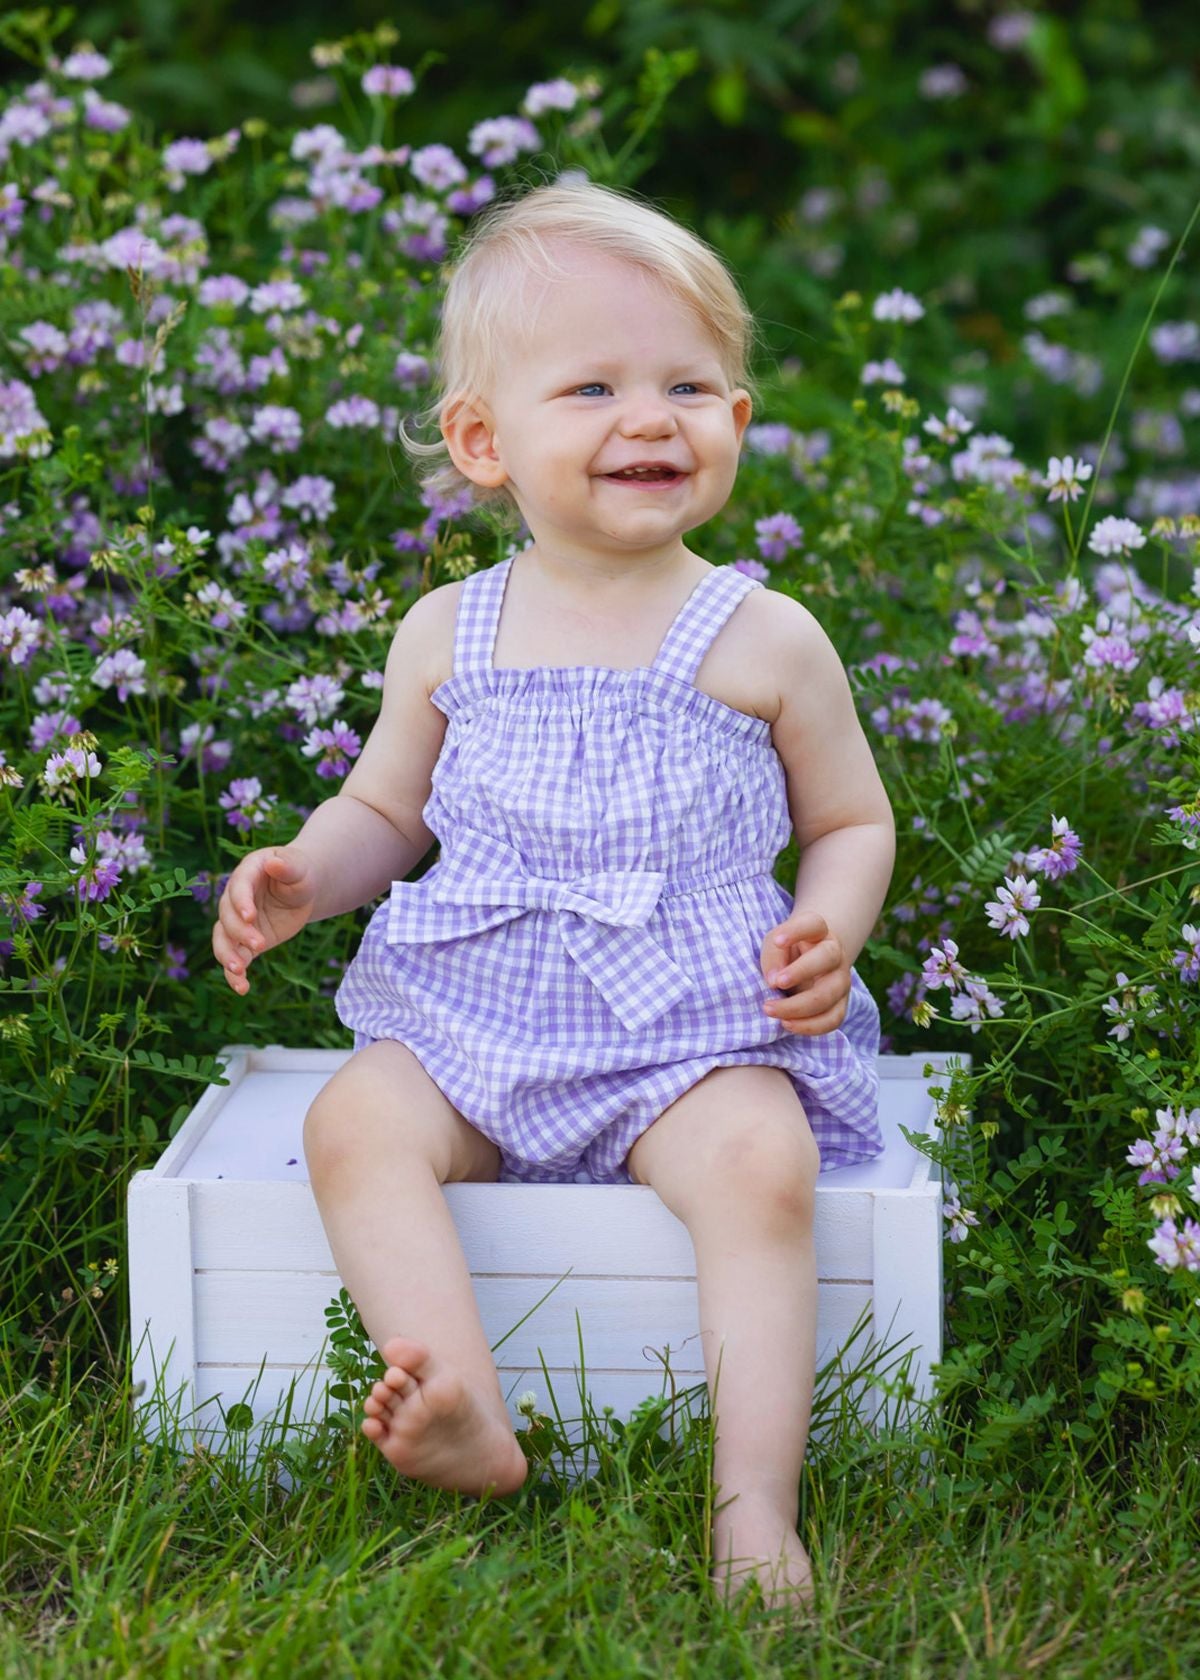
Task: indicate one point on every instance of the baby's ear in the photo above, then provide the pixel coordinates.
(743, 409)
(468, 430)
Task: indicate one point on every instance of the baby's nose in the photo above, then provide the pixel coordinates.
(648, 417)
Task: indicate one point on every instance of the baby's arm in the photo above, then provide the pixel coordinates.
(371, 833)
(843, 822)
(368, 835)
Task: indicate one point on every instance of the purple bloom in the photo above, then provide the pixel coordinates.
(464, 201)
(85, 65)
(175, 963)
(974, 1001)
(23, 909)
(97, 879)
(280, 427)
(20, 634)
(498, 140)
(389, 81)
(1188, 961)
(105, 115)
(311, 497)
(337, 745)
(1061, 856)
(558, 95)
(23, 427)
(1172, 1247)
(777, 535)
(409, 369)
(437, 167)
(1157, 1156)
(1006, 912)
(942, 968)
(315, 698)
(246, 803)
(122, 670)
(185, 157)
(351, 412)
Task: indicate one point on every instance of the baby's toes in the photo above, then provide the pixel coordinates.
(406, 1355)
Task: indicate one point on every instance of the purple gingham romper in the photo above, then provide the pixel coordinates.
(587, 945)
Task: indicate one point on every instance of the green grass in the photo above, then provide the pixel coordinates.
(127, 1558)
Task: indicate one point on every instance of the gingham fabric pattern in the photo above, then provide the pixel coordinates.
(586, 946)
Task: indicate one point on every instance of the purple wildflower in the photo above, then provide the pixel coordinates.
(315, 698)
(464, 201)
(85, 64)
(20, 634)
(279, 427)
(96, 879)
(246, 803)
(1188, 961)
(175, 963)
(352, 412)
(558, 95)
(777, 535)
(410, 369)
(1125, 1009)
(185, 157)
(942, 968)
(311, 497)
(337, 745)
(1116, 536)
(1157, 1156)
(276, 294)
(1172, 1247)
(23, 909)
(1061, 856)
(1006, 912)
(960, 1218)
(974, 1002)
(122, 670)
(437, 168)
(498, 140)
(388, 81)
(221, 289)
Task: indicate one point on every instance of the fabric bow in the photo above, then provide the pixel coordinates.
(600, 918)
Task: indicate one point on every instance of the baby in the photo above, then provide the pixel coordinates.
(611, 739)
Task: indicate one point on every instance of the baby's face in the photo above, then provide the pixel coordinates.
(613, 373)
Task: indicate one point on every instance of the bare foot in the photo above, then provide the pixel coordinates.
(753, 1540)
(427, 1423)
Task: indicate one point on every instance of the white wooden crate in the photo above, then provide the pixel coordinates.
(230, 1271)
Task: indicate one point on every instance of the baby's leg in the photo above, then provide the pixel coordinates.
(735, 1159)
(380, 1141)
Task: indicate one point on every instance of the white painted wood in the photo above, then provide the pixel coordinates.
(601, 1229)
(908, 1278)
(229, 1259)
(244, 1317)
(161, 1280)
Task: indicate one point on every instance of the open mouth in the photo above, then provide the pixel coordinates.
(652, 477)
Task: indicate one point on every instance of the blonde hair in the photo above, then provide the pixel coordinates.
(510, 238)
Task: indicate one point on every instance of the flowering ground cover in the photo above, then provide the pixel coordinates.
(208, 534)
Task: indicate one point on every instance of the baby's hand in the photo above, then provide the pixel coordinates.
(267, 899)
(802, 954)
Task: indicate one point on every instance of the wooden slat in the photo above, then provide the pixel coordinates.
(162, 1325)
(529, 1228)
(244, 1317)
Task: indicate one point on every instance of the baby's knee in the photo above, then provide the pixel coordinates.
(768, 1165)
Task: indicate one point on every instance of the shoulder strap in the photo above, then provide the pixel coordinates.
(699, 620)
(479, 617)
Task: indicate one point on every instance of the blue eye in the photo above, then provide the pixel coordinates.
(594, 386)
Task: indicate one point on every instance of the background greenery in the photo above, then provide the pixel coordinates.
(1061, 1474)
